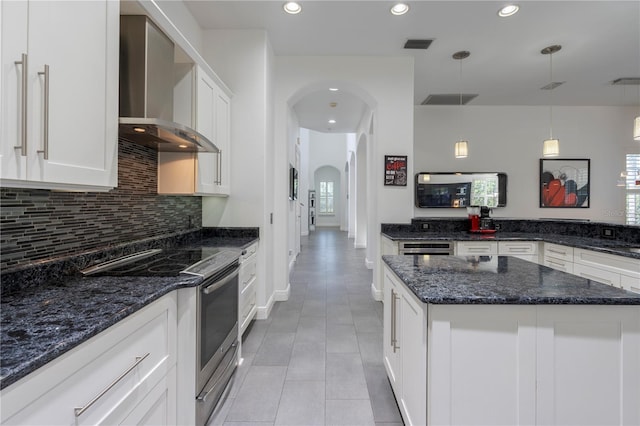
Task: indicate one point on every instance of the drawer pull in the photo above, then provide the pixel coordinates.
(564, 253)
(80, 410)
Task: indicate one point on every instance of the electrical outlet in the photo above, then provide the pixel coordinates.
(425, 226)
(608, 233)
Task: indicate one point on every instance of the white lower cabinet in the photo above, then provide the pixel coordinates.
(558, 257)
(125, 374)
(526, 250)
(247, 279)
(588, 363)
(511, 364)
(405, 349)
(630, 283)
(474, 248)
(605, 268)
(482, 367)
(617, 271)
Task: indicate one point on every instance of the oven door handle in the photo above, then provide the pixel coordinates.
(213, 287)
(205, 393)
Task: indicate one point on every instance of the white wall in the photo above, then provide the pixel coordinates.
(509, 139)
(244, 60)
(182, 18)
(304, 180)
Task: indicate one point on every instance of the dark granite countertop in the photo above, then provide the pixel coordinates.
(499, 280)
(597, 244)
(40, 323)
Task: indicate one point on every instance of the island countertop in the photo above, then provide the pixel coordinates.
(499, 280)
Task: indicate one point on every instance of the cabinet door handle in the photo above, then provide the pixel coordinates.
(80, 410)
(394, 322)
(219, 169)
(45, 138)
(23, 94)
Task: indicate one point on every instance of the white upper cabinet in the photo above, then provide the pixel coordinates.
(59, 111)
(213, 121)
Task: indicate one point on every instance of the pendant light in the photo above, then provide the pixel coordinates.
(551, 146)
(461, 147)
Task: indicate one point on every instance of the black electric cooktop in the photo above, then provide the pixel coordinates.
(202, 261)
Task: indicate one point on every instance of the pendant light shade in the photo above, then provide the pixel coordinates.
(462, 149)
(551, 148)
(636, 129)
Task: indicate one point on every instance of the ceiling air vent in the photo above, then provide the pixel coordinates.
(626, 81)
(552, 85)
(418, 44)
(448, 99)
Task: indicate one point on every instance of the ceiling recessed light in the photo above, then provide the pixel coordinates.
(508, 10)
(399, 9)
(332, 121)
(292, 7)
(182, 146)
(333, 89)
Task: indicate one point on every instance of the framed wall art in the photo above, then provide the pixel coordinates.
(395, 170)
(564, 183)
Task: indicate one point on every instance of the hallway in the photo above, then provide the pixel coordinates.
(318, 358)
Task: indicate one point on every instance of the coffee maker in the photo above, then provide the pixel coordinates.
(486, 223)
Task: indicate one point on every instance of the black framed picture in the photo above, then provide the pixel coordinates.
(395, 170)
(564, 183)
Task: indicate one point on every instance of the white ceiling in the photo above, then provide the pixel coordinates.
(600, 42)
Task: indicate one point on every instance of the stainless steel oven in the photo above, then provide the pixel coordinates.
(216, 309)
(217, 338)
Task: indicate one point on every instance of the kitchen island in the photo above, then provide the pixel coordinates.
(499, 340)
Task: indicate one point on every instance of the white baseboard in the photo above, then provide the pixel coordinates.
(263, 312)
(359, 245)
(376, 294)
(368, 263)
(282, 295)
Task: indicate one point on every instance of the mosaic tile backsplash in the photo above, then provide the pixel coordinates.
(41, 224)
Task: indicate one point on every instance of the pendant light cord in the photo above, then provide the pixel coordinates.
(460, 89)
(550, 96)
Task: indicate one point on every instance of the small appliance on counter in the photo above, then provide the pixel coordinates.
(480, 220)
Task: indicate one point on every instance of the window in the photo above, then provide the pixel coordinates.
(326, 198)
(632, 187)
(484, 192)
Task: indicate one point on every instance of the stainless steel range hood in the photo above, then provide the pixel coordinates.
(146, 90)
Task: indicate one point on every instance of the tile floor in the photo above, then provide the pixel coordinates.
(317, 360)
